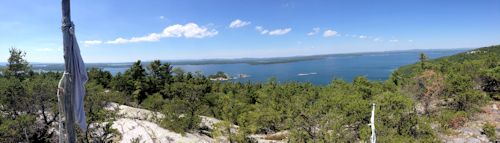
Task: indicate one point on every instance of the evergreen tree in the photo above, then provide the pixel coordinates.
(136, 77)
(17, 66)
(136, 72)
(158, 75)
(423, 59)
(100, 77)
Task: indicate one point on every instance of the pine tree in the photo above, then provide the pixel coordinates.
(17, 66)
(423, 59)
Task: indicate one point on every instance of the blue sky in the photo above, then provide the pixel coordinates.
(127, 30)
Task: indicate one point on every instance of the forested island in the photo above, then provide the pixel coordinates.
(422, 102)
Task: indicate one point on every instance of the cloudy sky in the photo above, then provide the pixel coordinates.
(127, 30)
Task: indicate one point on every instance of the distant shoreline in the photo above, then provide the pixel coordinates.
(251, 61)
(317, 69)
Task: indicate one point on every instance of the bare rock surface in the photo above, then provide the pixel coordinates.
(472, 131)
(279, 137)
(139, 124)
(149, 132)
(134, 123)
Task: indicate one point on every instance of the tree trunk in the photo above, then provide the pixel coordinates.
(68, 86)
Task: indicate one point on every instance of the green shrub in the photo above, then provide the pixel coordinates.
(469, 100)
(178, 116)
(489, 131)
(153, 102)
(451, 119)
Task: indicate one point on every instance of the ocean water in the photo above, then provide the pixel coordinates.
(375, 66)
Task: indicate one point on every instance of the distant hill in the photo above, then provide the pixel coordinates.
(468, 91)
(485, 54)
(251, 61)
(478, 68)
(276, 60)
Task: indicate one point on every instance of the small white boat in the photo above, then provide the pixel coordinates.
(304, 74)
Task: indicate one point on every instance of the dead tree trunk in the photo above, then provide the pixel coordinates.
(69, 91)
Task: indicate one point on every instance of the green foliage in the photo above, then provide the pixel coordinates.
(136, 76)
(140, 83)
(22, 101)
(365, 87)
(98, 119)
(136, 72)
(491, 81)
(469, 78)
(219, 74)
(158, 75)
(178, 71)
(451, 119)
(179, 116)
(489, 131)
(154, 102)
(493, 73)
(423, 58)
(469, 100)
(225, 128)
(17, 129)
(28, 104)
(100, 77)
(17, 66)
(457, 83)
(185, 103)
(396, 116)
(338, 112)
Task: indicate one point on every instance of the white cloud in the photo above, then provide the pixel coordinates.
(314, 32)
(280, 31)
(274, 32)
(92, 42)
(119, 40)
(261, 30)
(264, 32)
(162, 17)
(394, 40)
(377, 40)
(190, 30)
(329, 33)
(238, 23)
(410, 40)
(362, 37)
(150, 38)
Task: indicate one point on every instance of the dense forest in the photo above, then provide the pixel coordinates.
(445, 92)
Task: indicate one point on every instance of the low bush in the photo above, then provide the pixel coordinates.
(489, 131)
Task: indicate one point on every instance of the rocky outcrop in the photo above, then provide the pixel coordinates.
(136, 124)
(145, 131)
(472, 131)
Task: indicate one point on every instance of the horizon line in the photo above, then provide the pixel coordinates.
(256, 58)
